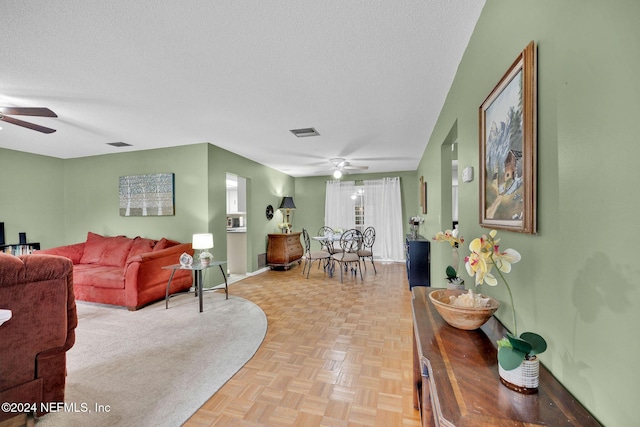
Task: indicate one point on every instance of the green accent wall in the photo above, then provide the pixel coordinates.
(32, 197)
(311, 191)
(577, 283)
(56, 202)
(92, 202)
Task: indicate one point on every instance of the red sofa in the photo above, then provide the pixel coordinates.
(123, 271)
(38, 289)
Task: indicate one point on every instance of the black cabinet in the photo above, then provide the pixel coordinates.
(418, 255)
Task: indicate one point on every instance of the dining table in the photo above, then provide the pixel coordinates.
(327, 241)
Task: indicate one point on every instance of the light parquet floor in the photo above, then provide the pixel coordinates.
(335, 354)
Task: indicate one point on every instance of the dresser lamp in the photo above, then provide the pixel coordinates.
(287, 205)
(202, 242)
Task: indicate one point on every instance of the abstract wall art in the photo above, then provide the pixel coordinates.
(147, 195)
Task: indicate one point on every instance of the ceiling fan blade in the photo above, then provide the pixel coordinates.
(351, 167)
(28, 111)
(26, 124)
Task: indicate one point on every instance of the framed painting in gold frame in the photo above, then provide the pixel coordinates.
(508, 148)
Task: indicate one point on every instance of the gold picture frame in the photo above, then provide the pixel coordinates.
(508, 145)
(423, 195)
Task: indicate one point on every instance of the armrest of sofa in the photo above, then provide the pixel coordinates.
(144, 271)
(170, 255)
(73, 252)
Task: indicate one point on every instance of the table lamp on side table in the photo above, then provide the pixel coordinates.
(202, 242)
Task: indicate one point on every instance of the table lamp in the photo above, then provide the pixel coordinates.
(287, 205)
(202, 242)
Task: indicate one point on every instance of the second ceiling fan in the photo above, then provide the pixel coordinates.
(342, 166)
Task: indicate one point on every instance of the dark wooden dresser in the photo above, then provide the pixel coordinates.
(457, 381)
(418, 259)
(283, 250)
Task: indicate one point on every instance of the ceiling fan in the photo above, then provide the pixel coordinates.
(6, 112)
(342, 166)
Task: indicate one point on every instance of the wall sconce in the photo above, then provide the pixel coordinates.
(202, 242)
(287, 205)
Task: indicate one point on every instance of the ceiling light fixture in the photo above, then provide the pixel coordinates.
(304, 132)
(118, 144)
(337, 174)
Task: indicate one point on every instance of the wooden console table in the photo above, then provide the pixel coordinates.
(457, 383)
(283, 250)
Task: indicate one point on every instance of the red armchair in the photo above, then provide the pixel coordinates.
(38, 289)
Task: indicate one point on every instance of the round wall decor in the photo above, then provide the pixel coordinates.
(269, 212)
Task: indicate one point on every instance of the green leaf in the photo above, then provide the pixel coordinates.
(504, 342)
(451, 272)
(519, 344)
(538, 344)
(510, 358)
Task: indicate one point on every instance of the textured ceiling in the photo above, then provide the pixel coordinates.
(370, 76)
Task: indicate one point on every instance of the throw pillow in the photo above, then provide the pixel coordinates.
(92, 249)
(116, 250)
(141, 246)
(109, 251)
(164, 243)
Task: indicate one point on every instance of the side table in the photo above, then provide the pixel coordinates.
(197, 277)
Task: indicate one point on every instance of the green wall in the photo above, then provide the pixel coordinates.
(577, 283)
(310, 196)
(32, 197)
(265, 186)
(92, 203)
(200, 196)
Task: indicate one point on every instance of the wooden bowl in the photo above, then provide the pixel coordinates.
(467, 318)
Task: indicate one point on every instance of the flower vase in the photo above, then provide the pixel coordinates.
(451, 285)
(414, 230)
(523, 379)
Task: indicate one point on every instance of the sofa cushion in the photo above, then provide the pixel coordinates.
(141, 246)
(98, 276)
(164, 243)
(109, 251)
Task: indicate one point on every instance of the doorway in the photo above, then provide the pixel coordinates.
(236, 225)
(449, 180)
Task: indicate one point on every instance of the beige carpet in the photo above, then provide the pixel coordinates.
(155, 367)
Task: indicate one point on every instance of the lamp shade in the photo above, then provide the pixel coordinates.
(202, 241)
(287, 203)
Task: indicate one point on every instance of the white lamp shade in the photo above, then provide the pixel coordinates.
(202, 241)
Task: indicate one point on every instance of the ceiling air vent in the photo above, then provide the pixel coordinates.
(304, 132)
(119, 144)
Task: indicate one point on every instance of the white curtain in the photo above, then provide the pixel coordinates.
(383, 211)
(339, 207)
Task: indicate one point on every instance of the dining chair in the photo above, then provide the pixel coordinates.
(350, 244)
(311, 256)
(368, 239)
(326, 245)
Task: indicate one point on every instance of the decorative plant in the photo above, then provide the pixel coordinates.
(455, 241)
(485, 254)
(416, 220)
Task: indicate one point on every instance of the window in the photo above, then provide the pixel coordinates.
(359, 207)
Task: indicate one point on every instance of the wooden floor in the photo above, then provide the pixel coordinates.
(334, 354)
